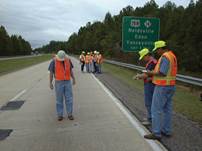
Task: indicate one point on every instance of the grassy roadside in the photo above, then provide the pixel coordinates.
(185, 102)
(7, 66)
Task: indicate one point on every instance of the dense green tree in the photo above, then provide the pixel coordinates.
(5, 42)
(14, 45)
(180, 27)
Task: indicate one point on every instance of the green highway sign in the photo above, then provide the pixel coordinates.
(139, 33)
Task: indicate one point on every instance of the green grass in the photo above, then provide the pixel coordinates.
(185, 101)
(124, 75)
(7, 66)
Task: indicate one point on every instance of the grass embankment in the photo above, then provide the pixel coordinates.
(185, 102)
(7, 66)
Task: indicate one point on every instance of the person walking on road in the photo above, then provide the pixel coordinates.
(82, 60)
(164, 78)
(61, 69)
(99, 62)
(95, 62)
(91, 67)
(148, 85)
(87, 62)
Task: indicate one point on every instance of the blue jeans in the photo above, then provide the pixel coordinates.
(148, 94)
(63, 91)
(91, 67)
(99, 68)
(82, 65)
(162, 106)
(87, 67)
(95, 67)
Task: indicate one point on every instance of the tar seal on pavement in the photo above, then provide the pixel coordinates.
(4, 133)
(13, 105)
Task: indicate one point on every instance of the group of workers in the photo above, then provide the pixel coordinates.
(159, 84)
(92, 61)
(159, 87)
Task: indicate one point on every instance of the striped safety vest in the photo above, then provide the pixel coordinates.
(154, 62)
(62, 71)
(170, 78)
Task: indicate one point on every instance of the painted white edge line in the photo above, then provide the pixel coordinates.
(155, 145)
(18, 95)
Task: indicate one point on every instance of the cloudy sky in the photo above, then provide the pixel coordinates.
(40, 21)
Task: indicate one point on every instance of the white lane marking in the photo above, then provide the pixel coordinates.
(155, 145)
(18, 95)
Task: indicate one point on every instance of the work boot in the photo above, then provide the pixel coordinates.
(146, 122)
(166, 135)
(60, 118)
(70, 117)
(152, 136)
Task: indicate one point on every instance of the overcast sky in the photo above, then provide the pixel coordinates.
(40, 21)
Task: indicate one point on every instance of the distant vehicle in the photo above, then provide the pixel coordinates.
(35, 53)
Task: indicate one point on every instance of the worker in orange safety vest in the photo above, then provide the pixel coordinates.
(164, 78)
(87, 62)
(146, 56)
(61, 69)
(82, 60)
(99, 62)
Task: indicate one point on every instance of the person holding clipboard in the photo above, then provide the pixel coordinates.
(164, 78)
(146, 56)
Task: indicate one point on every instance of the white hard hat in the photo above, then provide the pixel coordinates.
(61, 55)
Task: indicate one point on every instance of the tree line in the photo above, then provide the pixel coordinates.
(13, 45)
(53, 47)
(180, 27)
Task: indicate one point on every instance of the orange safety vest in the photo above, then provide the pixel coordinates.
(170, 78)
(87, 60)
(90, 59)
(62, 72)
(99, 59)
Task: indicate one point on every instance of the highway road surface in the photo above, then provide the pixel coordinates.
(101, 122)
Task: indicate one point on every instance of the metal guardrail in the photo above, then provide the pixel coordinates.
(181, 78)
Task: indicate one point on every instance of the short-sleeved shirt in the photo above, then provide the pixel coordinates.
(164, 65)
(51, 67)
